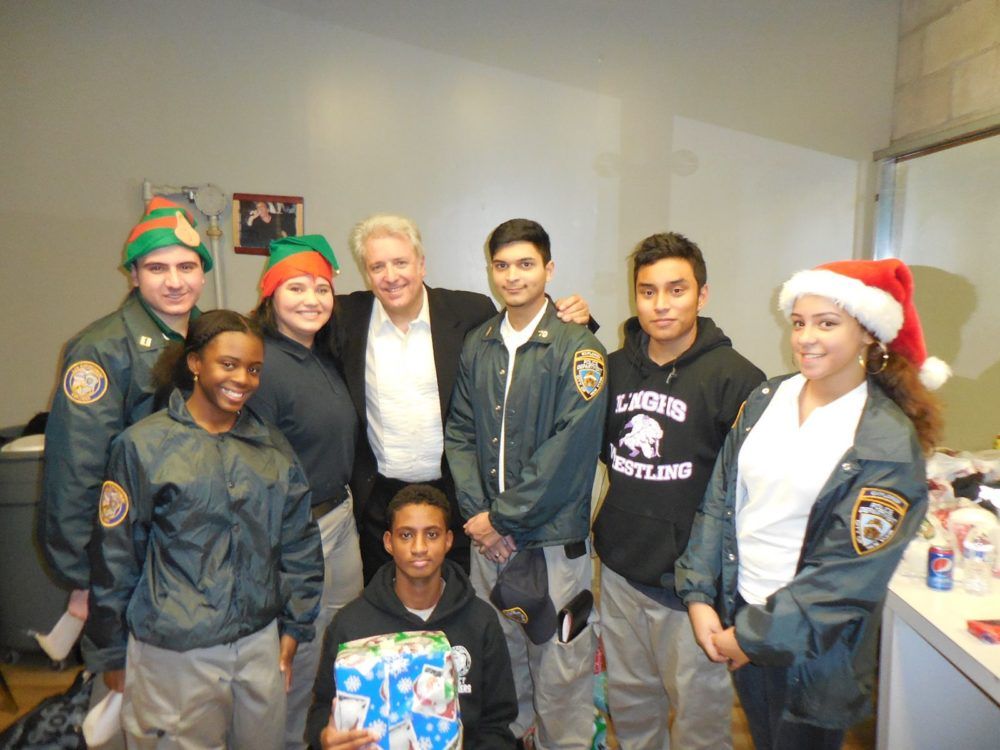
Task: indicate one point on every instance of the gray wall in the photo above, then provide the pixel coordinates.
(947, 228)
(749, 126)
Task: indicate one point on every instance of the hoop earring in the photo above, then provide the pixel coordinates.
(863, 358)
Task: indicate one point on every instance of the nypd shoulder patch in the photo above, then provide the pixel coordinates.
(113, 504)
(588, 372)
(85, 382)
(516, 614)
(876, 518)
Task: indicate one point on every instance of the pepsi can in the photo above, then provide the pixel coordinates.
(940, 568)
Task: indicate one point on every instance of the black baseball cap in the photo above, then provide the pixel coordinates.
(521, 594)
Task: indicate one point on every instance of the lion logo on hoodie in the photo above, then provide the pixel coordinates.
(643, 436)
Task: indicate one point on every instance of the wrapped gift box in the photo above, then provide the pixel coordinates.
(402, 687)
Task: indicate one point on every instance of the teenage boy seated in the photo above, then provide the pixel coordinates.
(421, 590)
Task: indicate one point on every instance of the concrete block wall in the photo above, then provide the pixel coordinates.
(948, 66)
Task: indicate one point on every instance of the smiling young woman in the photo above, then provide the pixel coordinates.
(205, 558)
(303, 394)
(819, 487)
(226, 372)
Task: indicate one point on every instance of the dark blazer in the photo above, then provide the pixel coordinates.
(453, 314)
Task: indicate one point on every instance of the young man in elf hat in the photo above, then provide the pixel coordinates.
(107, 386)
(675, 388)
(303, 394)
(106, 382)
(522, 441)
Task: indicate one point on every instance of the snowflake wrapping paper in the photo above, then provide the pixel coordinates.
(402, 687)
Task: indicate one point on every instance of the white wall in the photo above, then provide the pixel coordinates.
(947, 228)
(445, 114)
(762, 207)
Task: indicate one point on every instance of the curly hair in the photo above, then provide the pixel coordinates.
(901, 382)
(171, 369)
(418, 494)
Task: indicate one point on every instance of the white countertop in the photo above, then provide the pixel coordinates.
(940, 618)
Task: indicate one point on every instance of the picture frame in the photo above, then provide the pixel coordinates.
(259, 218)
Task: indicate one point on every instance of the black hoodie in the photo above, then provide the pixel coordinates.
(665, 426)
(486, 689)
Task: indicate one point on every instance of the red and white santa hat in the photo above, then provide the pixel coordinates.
(879, 295)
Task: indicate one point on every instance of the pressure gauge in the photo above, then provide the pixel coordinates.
(210, 200)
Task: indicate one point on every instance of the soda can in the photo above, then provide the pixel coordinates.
(940, 568)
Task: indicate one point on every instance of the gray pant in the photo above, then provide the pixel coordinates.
(342, 583)
(654, 664)
(554, 681)
(227, 696)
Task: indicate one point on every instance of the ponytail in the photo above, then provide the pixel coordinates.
(901, 382)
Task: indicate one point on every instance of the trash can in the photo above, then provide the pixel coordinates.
(29, 599)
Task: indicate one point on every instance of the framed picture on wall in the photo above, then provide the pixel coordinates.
(258, 219)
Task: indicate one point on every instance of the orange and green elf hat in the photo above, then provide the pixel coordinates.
(298, 256)
(163, 225)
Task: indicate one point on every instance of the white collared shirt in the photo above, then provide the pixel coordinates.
(781, 469)
(401, 397)
(512, 340)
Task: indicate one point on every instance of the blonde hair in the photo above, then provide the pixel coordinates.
(383, 225)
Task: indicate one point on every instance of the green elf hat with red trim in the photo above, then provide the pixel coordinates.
(308, 254)
(165, 224)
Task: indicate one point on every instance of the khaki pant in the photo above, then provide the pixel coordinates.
(227, 696)
(654, 664)
(342, 583)
(554, 681)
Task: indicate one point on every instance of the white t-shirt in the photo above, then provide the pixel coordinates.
(424, 614)
(782, 467)
(512, 340)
